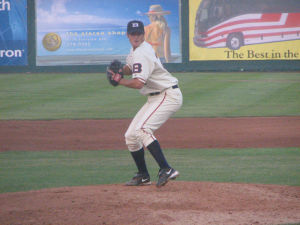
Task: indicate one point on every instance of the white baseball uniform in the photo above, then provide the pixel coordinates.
(164, 96)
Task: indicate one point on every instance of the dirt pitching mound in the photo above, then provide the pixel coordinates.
(176, 203)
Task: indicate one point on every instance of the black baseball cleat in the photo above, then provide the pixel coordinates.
(140, 179)
(164, 175)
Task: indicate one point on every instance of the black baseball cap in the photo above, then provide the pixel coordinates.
(135, 26)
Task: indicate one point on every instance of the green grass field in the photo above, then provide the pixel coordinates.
(88, 96)
(85, 96)
(22, 171)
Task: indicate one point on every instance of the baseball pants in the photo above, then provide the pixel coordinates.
(154, 113)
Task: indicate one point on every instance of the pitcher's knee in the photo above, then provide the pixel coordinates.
(145, 136)
(133, 142)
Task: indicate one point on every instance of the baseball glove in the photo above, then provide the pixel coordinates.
(114, 72)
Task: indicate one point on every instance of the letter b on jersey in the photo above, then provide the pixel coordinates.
(137, 68)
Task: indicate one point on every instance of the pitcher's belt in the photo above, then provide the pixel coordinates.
(157, 93)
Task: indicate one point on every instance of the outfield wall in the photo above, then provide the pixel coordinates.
(83, 36)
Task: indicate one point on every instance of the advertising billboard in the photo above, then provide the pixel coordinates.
(244, 30)
(91, 32)
(13, 33)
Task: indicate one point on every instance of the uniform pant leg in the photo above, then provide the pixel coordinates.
(162, 108)
(132, 140)
(159, 110)
(155, 112)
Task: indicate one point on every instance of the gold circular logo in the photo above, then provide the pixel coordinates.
(52, 41)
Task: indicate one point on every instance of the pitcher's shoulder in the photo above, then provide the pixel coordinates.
(145, 49)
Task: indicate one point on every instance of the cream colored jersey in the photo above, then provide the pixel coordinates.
(146, 67)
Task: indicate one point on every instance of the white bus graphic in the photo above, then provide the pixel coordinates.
(234, 23)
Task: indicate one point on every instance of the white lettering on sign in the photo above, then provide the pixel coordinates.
(4, 5)
(11, 53)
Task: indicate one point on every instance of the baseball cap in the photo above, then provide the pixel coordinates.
(135, 26)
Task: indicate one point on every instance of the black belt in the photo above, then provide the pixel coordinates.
(157, 93)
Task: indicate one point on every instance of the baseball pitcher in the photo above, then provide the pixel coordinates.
(163, 99)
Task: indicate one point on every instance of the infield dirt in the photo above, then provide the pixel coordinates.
(178, 202)
(185, 133)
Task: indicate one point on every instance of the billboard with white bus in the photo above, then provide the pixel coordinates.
(235, 24)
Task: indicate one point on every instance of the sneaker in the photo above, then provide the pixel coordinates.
(139, 179)
(164, 175)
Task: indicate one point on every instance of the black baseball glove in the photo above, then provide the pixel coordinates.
(114, 72)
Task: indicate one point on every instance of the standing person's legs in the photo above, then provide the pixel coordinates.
(152, 115)
(160, 109)
(136, 149)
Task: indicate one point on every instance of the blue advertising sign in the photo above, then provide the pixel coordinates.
(76, 32)
(13, 32)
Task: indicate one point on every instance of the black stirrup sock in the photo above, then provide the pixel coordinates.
(139, 159)
(158, 155)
